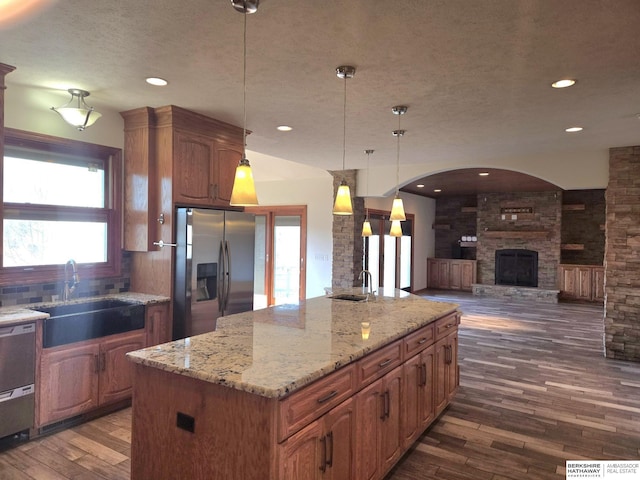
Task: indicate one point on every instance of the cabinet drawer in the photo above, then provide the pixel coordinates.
(304, 406)
(446, 325)
(378, 363)
(419, 340)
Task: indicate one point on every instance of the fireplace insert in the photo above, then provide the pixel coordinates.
(517, 267)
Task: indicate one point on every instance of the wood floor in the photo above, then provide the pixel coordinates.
(535, 392)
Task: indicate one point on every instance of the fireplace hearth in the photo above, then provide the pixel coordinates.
(517, 267)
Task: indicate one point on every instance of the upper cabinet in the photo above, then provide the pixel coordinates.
(174, 157)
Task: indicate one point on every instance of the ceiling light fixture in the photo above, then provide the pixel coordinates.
(573, 129)
(156, 81)
(284, 128)
(396, 228)
(343, 205)
(82, 115)
(483, 174)
(366, 225)
(564, 83)
(244, 188)
(420, 185)
(397, 210)
(437, 190)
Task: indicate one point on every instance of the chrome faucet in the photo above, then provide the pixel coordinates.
(368, 281)
(70, 285)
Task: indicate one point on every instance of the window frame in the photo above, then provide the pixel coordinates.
(111, 159)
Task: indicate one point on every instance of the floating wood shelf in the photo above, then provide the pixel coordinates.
(573, 207)
(468, 244)
(469, 209)
(441, 226)
(572, 246)
(516, 234)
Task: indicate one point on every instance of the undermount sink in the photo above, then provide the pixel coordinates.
(352, 297)
(75, 322)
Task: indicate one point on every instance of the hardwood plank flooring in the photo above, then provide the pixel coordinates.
(535, 391)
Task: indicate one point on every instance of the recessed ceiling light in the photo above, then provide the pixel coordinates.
(573, 129)
(484, 174)
(420, 185)
(564, 83)
(437, 190)
(158, 82)
(284, 128)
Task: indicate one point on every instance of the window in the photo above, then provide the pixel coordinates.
(60, 201)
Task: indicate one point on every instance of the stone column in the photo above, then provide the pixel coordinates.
(347, 236)
(622, 256)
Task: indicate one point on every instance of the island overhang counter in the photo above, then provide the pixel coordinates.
(295, 390)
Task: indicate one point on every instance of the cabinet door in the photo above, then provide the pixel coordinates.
(427, 382)
(455, 275)
(468, 276)
(443, 274)
(452, 365)
(193, 169)
(116, 372)
(412, 375)
(584, 283)
(568, 281)
(369, 412)
(440, 388)
(227, 159)
(597, 284)
(158, 324)
(301, 454)
(68, 382)
(433, 273)
(339, 428)
(391, 433)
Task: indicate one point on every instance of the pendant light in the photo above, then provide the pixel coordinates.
(396, 228)
(343, 205)
(397, 210)
(244, 188)
(366, 225)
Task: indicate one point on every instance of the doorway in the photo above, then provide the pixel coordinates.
(389, 259)
(280, 256)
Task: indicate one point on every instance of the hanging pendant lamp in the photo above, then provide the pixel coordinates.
(397, 210)
(244, 189)
(78, 114)
(366, 225)
(342, 204)
(396, 229)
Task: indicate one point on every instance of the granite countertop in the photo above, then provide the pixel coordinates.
(274, 351)
(17, 314)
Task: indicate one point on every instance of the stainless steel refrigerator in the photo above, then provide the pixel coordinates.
(214, 268)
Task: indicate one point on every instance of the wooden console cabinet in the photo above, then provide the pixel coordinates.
(581, 282)
(451, 274)
(353, 423)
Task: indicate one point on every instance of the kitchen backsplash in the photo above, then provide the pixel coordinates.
(46, 291)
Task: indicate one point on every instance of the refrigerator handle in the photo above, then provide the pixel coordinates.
(221, 277)
(228, 273)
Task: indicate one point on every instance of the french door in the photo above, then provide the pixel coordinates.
(389, 259)
(280, 256)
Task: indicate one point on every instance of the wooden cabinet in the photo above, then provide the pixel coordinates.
(581, 282)
(378, 421)
(78, 378)
(323, 449)
(446, 370)
(173, 156)
(418, 381)
(158, 324)
(451, 274)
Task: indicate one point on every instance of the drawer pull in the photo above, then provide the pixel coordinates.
(330, 455)
(385, 363)
(328, 396)
(422, 340)
(323, 464)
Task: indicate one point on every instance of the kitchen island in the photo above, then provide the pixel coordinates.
(327, 387)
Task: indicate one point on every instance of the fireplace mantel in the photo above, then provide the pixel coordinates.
(516, 233)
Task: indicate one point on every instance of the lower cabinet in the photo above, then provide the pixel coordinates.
(323, 449)
(451, 274)
(581, 282)
(418, 380)
(158, 324)
(79, 378)
(446, 370)
(378, 426)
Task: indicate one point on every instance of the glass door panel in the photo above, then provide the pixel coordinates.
(260, 291)
(286, 249)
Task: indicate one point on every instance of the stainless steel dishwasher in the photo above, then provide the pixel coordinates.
(17, 374)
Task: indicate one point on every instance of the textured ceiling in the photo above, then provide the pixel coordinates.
(475, 74)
